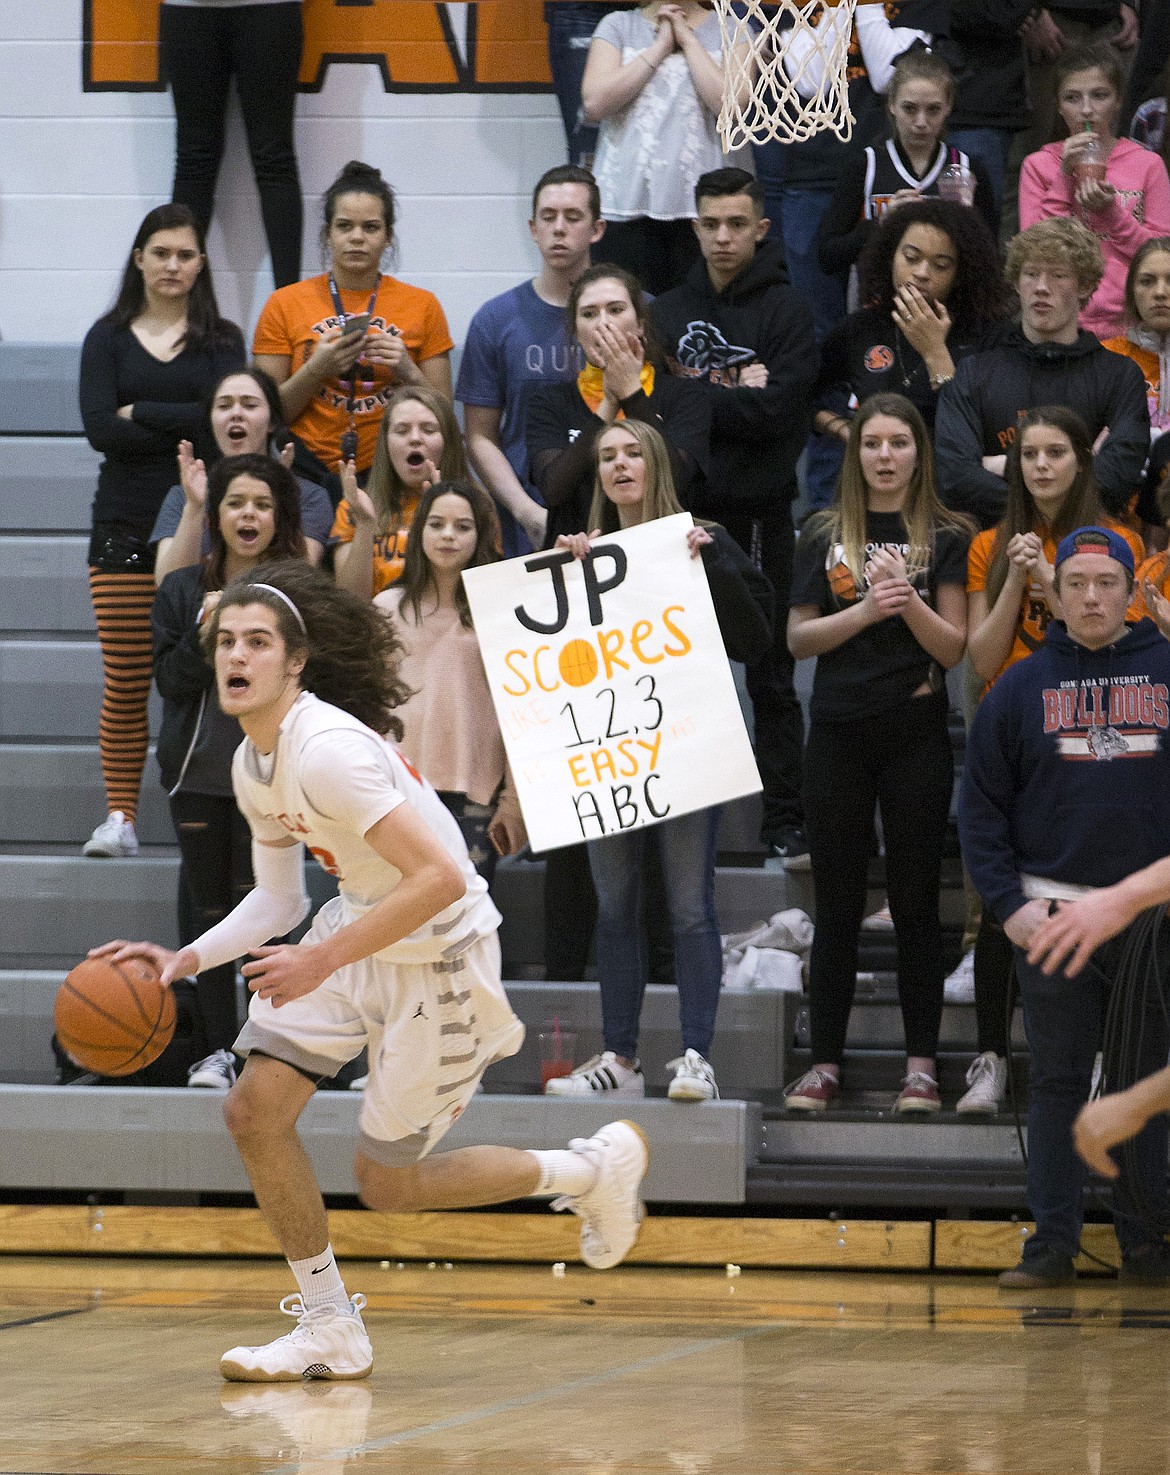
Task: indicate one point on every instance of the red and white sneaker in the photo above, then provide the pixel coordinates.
(325, 1343)
(919, 1094)
(813, 1092)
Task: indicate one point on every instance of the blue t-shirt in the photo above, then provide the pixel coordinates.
(515, 342)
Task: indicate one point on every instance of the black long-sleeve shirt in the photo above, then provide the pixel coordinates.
(139, 465)
(562, 430)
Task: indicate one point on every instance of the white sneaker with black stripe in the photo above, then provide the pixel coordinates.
(603, 1075)
(694, 1079)
(217, 1072)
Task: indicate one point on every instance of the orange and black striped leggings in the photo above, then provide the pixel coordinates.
(122, 603)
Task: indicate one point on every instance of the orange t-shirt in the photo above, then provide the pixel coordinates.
(1034, 611)
(296, 317)
(1157, 569)
(389, 548)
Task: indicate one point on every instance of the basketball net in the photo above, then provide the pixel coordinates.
(784, 70)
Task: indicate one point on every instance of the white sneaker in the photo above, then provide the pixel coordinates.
(959, 987)
(325, 1343)
(611, 1211)
(359, 1083)
(880, 921)
(114, 838)
(215, 1072)
(694, 1080)
(603, 1075)
(987, 1079)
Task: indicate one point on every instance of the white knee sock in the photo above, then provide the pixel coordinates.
(563, 1172)
(320, 1281)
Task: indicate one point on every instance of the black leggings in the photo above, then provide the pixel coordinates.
(902, 761)
(216, 847)
(201, 48)
(658, 252)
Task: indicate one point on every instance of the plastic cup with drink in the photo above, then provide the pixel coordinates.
(556, 1052)
(956, 183)
(1090, 159)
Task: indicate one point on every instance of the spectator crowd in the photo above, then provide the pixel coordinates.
(912, 389)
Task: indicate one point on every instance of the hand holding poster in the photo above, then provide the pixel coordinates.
(611, 684)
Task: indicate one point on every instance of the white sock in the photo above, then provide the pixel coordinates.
(564, 1172)
(320, 1281)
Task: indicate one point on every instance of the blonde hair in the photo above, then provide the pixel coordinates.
(1063, 242)
(922, 512)
(659, 498)
(385, 487)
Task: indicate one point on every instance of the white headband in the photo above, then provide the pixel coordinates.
(280, 594)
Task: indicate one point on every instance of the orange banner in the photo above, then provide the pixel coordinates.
(410, 41)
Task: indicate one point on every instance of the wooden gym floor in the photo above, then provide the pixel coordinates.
(109, 1368)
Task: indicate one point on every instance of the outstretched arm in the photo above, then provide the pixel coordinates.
(1104, 1123)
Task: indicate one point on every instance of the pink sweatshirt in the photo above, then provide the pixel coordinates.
(1138, 212)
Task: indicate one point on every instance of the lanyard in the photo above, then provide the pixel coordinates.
(343, 315)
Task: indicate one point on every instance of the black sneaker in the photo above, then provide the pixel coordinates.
(1040, 1271)
(789, 845)
(1147, 1266)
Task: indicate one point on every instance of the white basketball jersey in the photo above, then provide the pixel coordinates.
(329, 780)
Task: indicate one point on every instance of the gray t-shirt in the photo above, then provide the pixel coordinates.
(316, 515)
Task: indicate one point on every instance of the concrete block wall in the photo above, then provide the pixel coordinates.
(82, 168)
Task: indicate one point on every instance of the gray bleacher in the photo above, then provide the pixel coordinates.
(54, 905)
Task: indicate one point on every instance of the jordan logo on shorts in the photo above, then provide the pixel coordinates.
(418, 1013)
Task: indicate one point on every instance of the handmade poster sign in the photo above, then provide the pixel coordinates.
(611, 684)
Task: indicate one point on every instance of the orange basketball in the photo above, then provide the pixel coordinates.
(114, 1018)
(577, 663)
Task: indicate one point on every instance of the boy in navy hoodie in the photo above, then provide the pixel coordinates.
(1067, 789)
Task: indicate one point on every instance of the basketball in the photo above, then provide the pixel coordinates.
(114, 1018)
(577, 663)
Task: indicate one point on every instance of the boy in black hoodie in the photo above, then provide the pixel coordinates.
(1067, 789)
(738, 329)
(1055, 266)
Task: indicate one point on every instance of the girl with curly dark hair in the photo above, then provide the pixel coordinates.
(934, 292)
(253, 511)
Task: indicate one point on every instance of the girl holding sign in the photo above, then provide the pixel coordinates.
(450, 731)
(633, 485)
(879, 597)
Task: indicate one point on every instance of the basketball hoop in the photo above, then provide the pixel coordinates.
(784, 70)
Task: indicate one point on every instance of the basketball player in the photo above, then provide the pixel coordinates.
(406, 959)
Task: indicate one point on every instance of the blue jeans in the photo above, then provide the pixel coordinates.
(686, 847)
(991, 146)
(1063, 1018)
(570, 29)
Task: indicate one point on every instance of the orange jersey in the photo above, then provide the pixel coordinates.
(389, 548)
(1034, 612)
(294, 320)
(1157, 570)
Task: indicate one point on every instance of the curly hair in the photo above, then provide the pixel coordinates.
(979, 296)
(416, 569)
(1061, 242)
(287, 538)
(352, 649)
